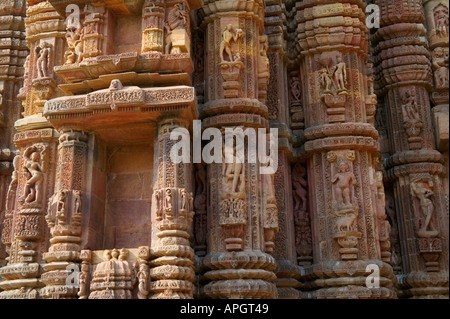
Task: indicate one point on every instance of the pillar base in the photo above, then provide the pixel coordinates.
(424, 285)
(354, 279)
(243, 274)
(287, 280)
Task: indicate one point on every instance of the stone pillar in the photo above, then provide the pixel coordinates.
(36, 142)
(414, 166)
(152, 26)
(242, 216)
(64, 217)
(13, 52)
(436, 22)
(93, 32)
(171, 272)
(341, 147)
(28, 233)
(277, 101)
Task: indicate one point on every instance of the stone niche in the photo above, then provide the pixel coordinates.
(128, 195)
(121, 122)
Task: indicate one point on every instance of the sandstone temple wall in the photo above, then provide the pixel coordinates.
(93, 206)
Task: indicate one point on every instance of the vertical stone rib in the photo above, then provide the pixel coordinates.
(64, 217)
(414, 166)
(277, 102)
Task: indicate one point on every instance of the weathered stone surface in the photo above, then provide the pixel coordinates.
(93, 206)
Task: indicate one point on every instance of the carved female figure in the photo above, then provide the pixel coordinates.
(340, 74)
(343, 180)
(77, 209)
(168, 202)
(225, 45)
(43, 61)
(296, 91)
(184, 199)
(11, 195)
(74, 37)
(409, 106)
(34, 183)
(60, 207)
(440, 67)
(441, 20)
(233, 171)
(424, 195)
(300, 188)
(325, 80)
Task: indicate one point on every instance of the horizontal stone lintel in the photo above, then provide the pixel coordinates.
(92, 68)
(116, 99)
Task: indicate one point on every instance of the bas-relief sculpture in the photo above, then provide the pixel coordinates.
(224, 230)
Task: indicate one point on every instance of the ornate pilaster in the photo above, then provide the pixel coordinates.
(341, 149)
(277, 102)
(172, 274)
(65, 211)
(28, 235)
(242, 222)
(414, 165)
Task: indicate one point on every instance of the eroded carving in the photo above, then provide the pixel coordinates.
(441, 20)
(34, 172)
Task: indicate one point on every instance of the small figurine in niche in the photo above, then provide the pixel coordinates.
(33, 185)
(227, 36)
(343, 181)
(441, 20)
(43, 60)
(340, 74)
(325, 80)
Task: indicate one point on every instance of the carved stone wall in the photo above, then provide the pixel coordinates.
(93, 206)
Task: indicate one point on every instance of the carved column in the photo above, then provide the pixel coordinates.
(153, 26)
(172, 272)
(65, 211)
(13, 52)
(93, 31)
(341, 147)
(242, 223)
(414, 165)
(28, 234)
